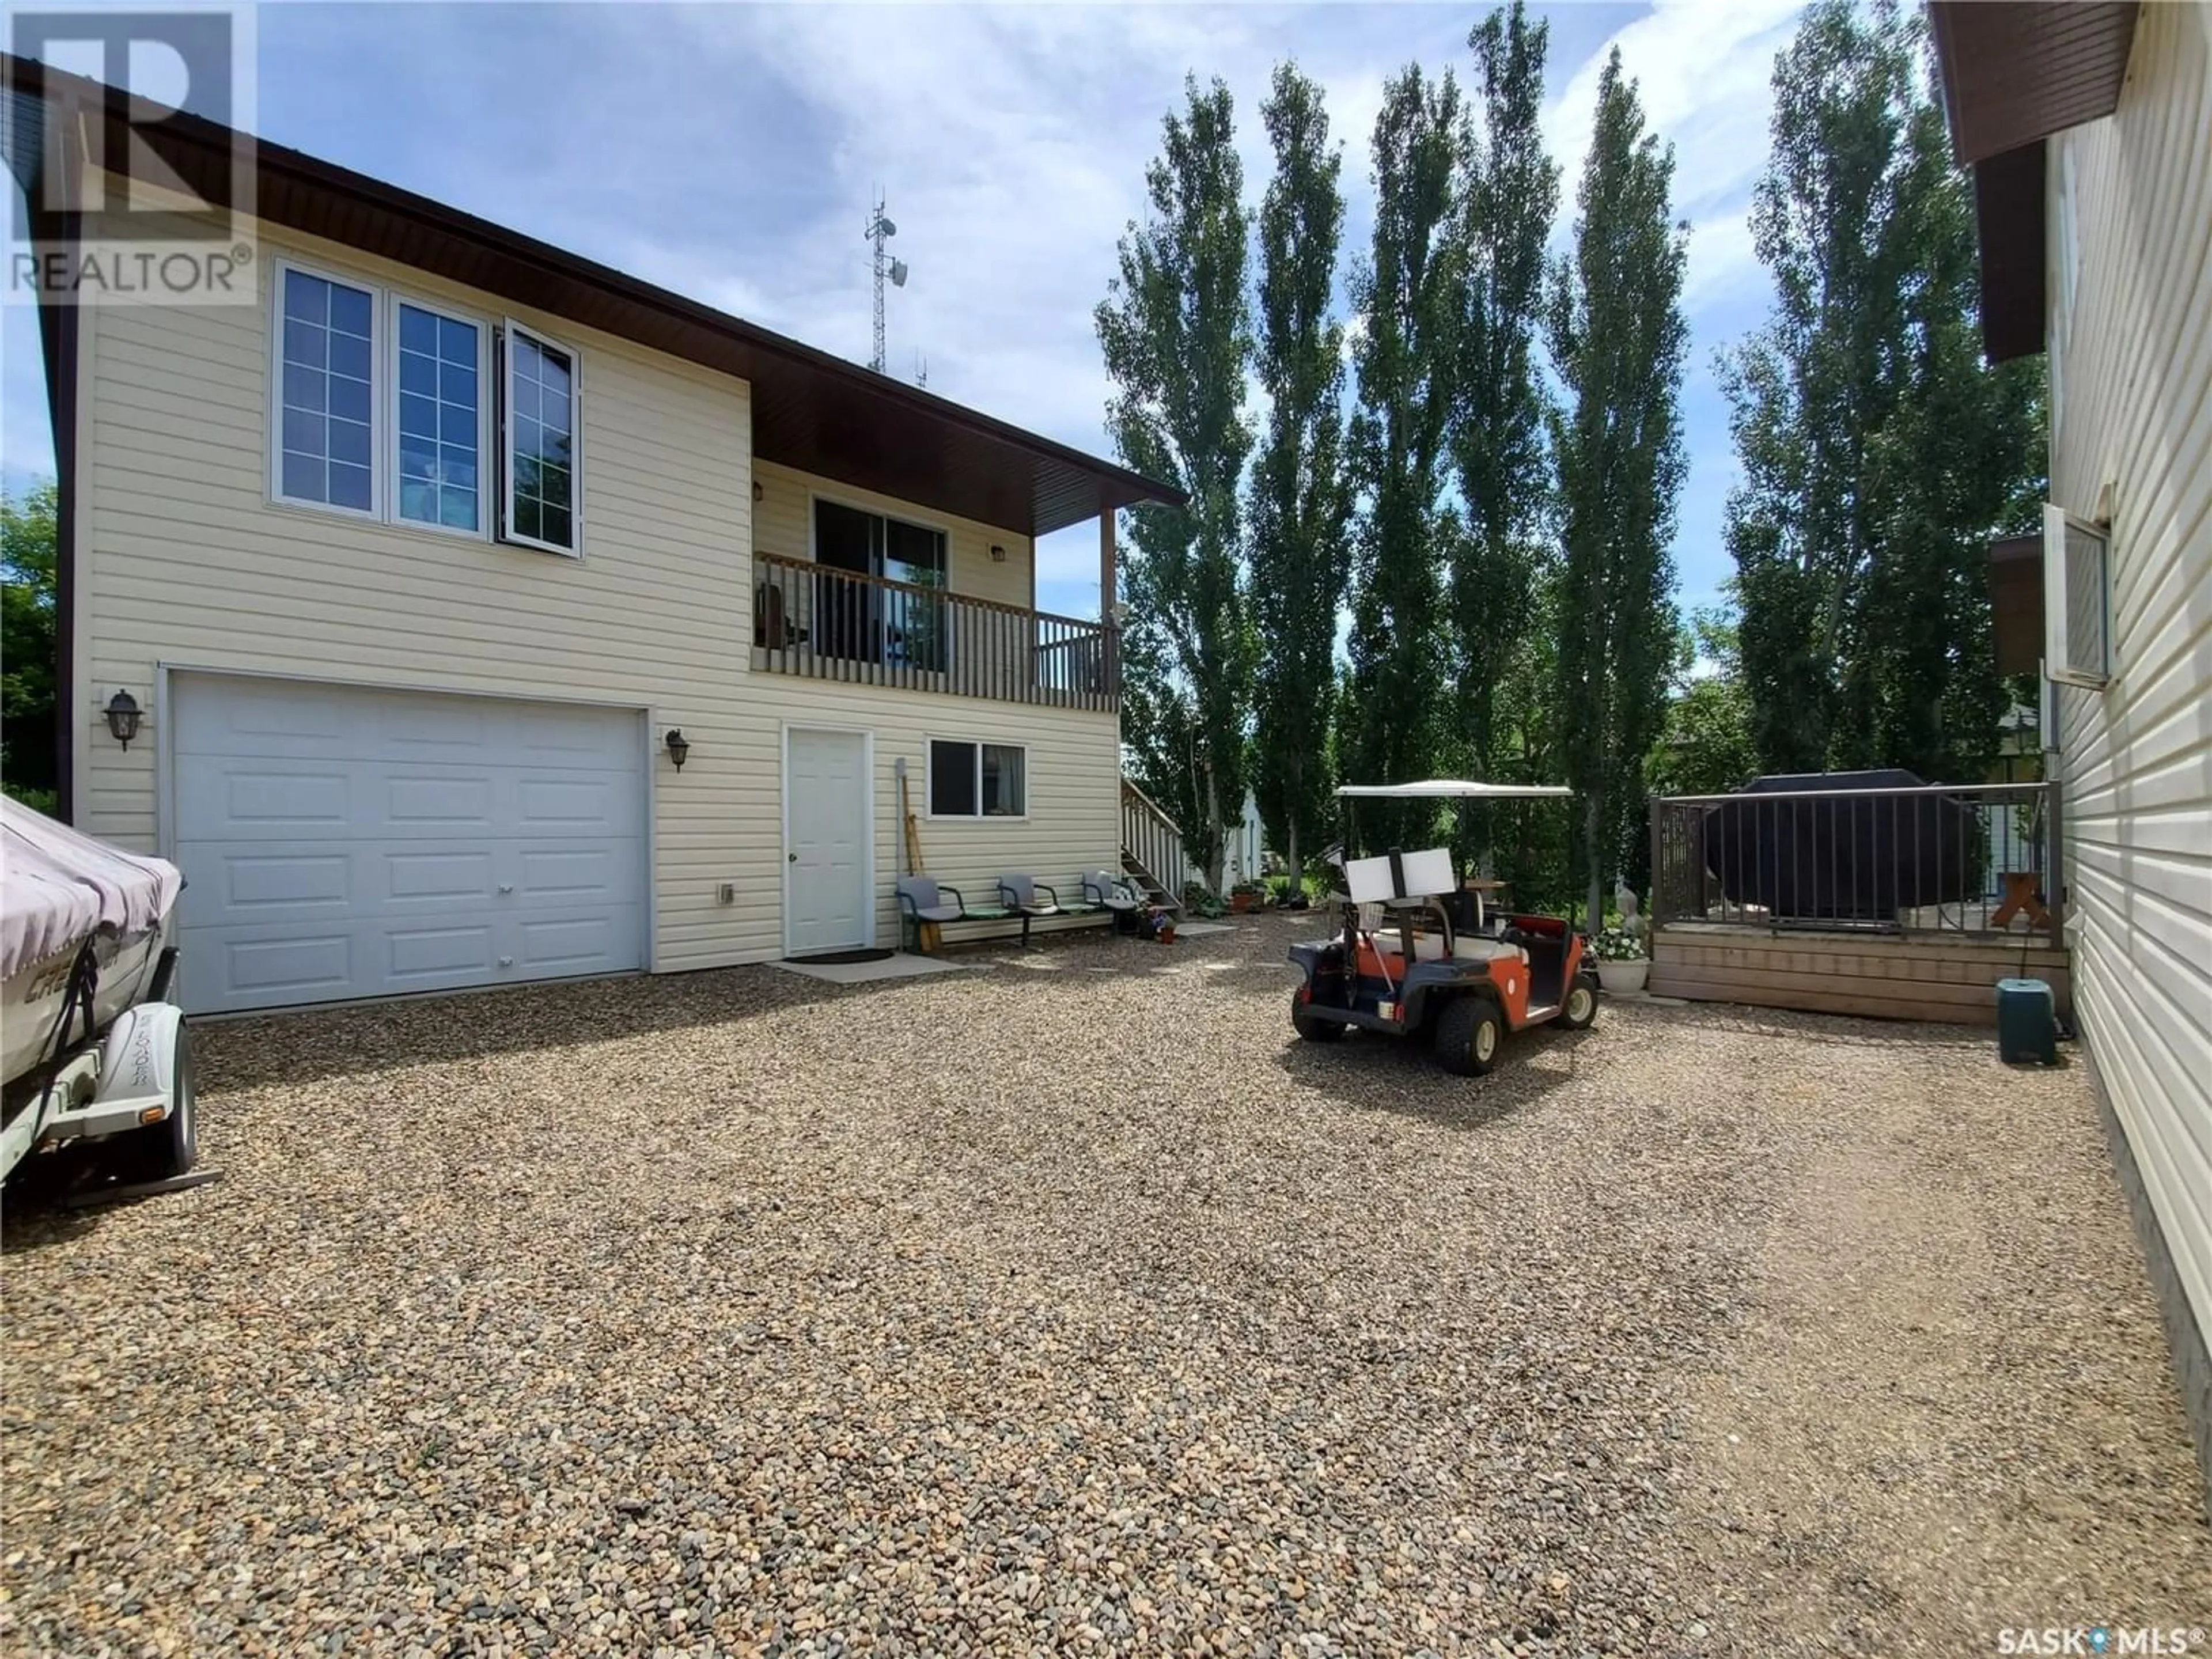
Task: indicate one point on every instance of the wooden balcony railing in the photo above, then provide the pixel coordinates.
(825, 623)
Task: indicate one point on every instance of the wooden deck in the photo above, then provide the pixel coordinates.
(1884, 975)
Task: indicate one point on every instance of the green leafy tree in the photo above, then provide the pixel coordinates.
(1512, 192)
(1704, 748)
(29, 732)
(1407, 294)
(1878, 452)
(1300, 502)
(1617, 339)
(1175, 330)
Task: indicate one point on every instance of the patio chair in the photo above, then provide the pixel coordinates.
(1116, 893)
(923, 898)
(1019, 893)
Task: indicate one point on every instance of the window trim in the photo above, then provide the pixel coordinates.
(929, 742)
(378, 472)
(484, 328)
(509, 327)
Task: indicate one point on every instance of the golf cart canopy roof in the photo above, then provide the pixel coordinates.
(1454, 788)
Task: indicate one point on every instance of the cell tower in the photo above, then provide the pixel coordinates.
(881, 230)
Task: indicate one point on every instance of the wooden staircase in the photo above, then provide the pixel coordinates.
(1152, 848)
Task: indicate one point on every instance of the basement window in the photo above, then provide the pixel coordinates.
(977, 780)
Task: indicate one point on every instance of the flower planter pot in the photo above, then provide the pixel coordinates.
(1623, 978)
(1239, 903)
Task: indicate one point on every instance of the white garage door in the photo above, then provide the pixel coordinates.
(343, 842)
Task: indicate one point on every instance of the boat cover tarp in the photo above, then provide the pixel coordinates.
(57, 887)
(1836, 859)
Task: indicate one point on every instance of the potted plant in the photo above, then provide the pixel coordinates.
(1243, 897)
(1622, 966)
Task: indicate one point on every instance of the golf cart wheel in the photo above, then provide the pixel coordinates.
(1468, 1033)
(1580, 1011)
(170, 1147)
(1312, 1027)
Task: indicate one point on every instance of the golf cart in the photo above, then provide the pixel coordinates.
(1418, 948)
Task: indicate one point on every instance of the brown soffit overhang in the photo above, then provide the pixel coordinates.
(811, 410)
(2016, 603)
(2016, 71)
(2009, 227)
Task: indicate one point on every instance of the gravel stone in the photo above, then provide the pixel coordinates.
(1070, 1304)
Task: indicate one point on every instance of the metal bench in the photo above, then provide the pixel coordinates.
(923, 898)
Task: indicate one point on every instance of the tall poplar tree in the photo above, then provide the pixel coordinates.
(1407, 294)
(1300, 504)
(1618, 338)
(1175, 330)
(1512, 191)
(1878, 452)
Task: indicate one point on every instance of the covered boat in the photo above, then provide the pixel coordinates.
(80, 923)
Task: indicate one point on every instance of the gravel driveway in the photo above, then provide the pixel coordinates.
(1069, 1303)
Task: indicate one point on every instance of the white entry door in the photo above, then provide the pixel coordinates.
(344, 842)
(827, 881)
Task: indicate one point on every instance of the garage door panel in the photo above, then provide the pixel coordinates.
(272, 965)
(295, 800)
(340, 843)
(240, 881)
(254, 718)
(571, 944)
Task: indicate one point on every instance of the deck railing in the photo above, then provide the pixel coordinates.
(1970, 860)
(1150, 842)
(825, 623)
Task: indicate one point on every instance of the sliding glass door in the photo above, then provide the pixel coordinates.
(860, 618)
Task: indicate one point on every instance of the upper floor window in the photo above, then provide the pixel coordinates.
(326, 431)
(439, 417)
(541, 421)
(386, 407)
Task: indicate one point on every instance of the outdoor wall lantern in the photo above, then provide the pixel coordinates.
(759, 492)
(123, 717)
(998, 554)
(678, 750)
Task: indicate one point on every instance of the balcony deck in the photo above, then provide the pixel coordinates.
(824, 623)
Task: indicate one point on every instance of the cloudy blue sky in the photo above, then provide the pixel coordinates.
(728, 152)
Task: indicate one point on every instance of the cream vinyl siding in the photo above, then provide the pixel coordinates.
(783, 525)
(186, 562)
(1073, 824)
(2132, 370)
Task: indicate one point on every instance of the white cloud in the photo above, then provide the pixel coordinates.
(1702, 69)
(1724, 267)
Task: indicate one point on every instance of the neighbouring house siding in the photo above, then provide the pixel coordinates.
(2132, 371)
(783, 526)
(185, 563)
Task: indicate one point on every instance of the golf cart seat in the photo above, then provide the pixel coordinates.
(1020, 893)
